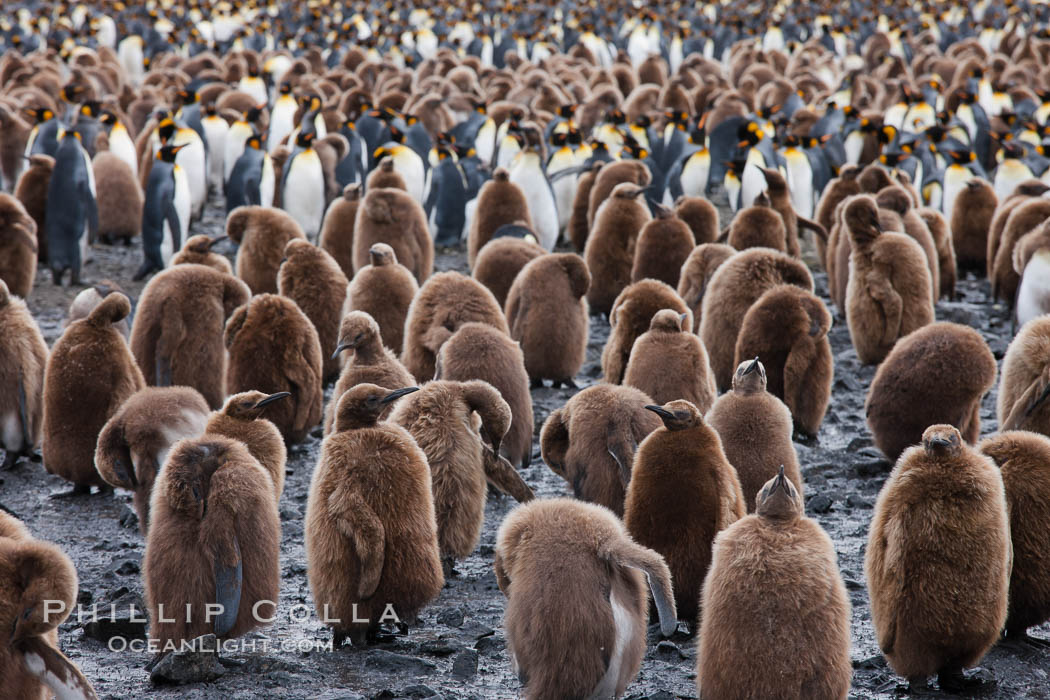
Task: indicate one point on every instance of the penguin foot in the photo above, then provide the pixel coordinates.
(448, 567)
(9, 461)
(1023, 642)
(339, 637)
(978, 680)
(536, 384)
(77, 490)
(567, 383)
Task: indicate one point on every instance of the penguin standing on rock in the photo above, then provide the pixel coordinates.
(166, 213)
(72, 211)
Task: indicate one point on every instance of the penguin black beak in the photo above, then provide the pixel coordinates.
(496, 442)
(395, 395)
(940, 442)
(214, 241)
(271, 398)
(751, 367)
(660, 411)
(340, 348)
(778, 482)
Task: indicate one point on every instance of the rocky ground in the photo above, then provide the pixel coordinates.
(458, 650)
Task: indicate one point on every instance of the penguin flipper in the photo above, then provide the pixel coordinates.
(622, 448)
(228, 580)
(357, 522)
(25, 235)
(23, 414)
(624, 552)
(501, 474)
(172, 334)
(812, 226)
(172, 217)
(554, 442)
(52, 668)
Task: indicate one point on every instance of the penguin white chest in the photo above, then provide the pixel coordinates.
(955, 179)
(526, 173)
(1033, 296)
(303, 195)
(183, 206)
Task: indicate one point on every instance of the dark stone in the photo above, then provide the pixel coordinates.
(418, 691)
(856, 501)
(126, 567)
(465, 665)
(439, 647)
(192, 666)
(490, 646)
(389, 662)
(853, 584)
(129, 518)
(820, 503)
(452, 617)
(124, 617)
(859, 442)
(669, 651)
(870, 663)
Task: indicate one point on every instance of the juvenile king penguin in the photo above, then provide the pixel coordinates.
(778, 566)
(273, 347)
(577, 561)
(391, 216)
(214, 541)
(950, 366)
(938, 561)
(755, 428)
(501, 259)
(18, 246)
(135, 442)
(177, 334)
(337, 231)
(547, 314)
(89, 374)
(788, 327)
(166, 214)
(971, 220)
(681, 476)
(371, 534)
(500, 202)
(24, 354)
(384, 289)
(696, 273)
(261, 234)
(440, 418)
(591, 440)
(242, 418)
(669, 362)
(197, 250)
(631, 316)
(303, 185)
(71, 219)
(1025, 383)
(610, 246)
(1024, 461)
(38, 589)
(663, 246)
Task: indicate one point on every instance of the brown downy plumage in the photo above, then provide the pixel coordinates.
(591, 440)
(337, 231)
(755, 428)
(577, 561)
(972, 215)
(177, 335)
(664, 244)
(938, 561)
(682, 476)
(242, 418)
(610, 247)
(1025, 217)
(788, 328)
(669, 362)
(950, 366)
(1023, 193)
(371, 363)
(611, 176)
(1024, 461)
(700, 216)
(776, 564)
(697, 272)
(631, 316)
(394, 217)
(546, 311)
(86, 301)
(758, 226)
(384, 175)
(479, 351)
(136, 440)
(273, 347)
(942, 240)
(261, 234)
(197, 250)
(736, 285)
(896, 199)
(839, 189)
(312, 279)
(89, 374)
(500, 202)
(889, 290)
(31, 191)
(18, 246)
(780, 200)
(499, 262)
(23, 357)
(440, 418)
(384, 289)
(579, 228)
(371, 534)
(214, 539)
(1025, 382)
(446, 302)
(119, 198)
(38, 589)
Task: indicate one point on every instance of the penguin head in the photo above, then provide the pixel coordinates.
(566, 111)
(616, 117)
(253, 114)
(45, 575)
(72, 91)
(285, 89)
(678, 415)
(775, 182)
(381, 254)
(41, 114)
(91, 108)
(250, 405)
(779, 499)
(356, 330)
(361, 406)
(254, 141)
(633, 149)
(189, 470)
(750, 134)
(559, 139)
(1012, 149)
(941, 440)
(305, 139)
(166, 129)
(107, 118)
(188, 96)
(167, 153)
(750, 377)
(861, 217)
(960, 157)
